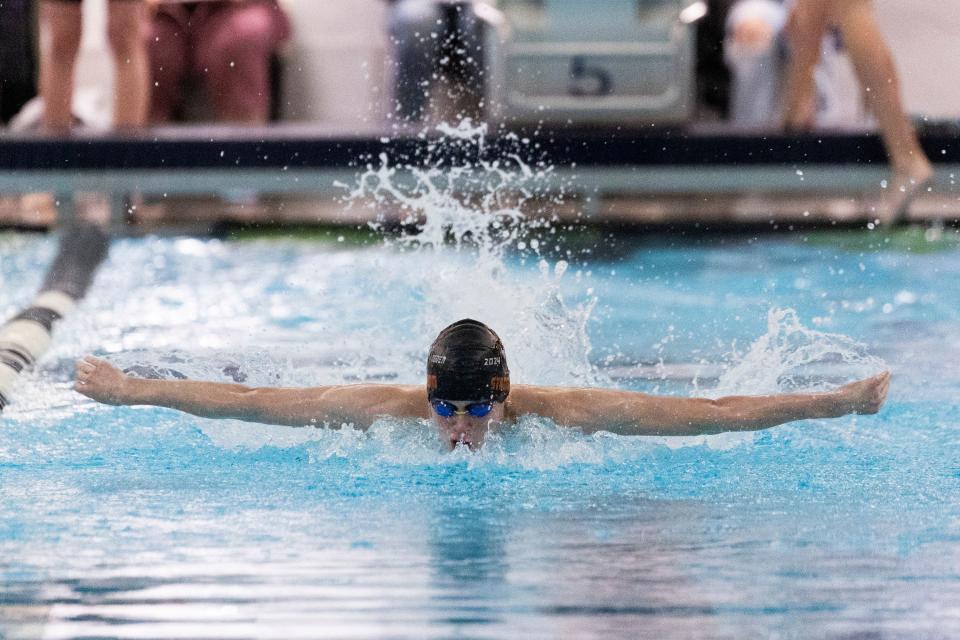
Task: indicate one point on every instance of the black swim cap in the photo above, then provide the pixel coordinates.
(467, 362)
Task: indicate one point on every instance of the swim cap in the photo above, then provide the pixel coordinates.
(467, 362)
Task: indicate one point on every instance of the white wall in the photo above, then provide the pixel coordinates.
(336, 61)
(924, 36)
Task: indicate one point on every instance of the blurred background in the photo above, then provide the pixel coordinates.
(729, 76)
(336, 66)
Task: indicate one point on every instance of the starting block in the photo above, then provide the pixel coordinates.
(610, 62)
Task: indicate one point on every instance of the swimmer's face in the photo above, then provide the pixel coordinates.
(463, 427)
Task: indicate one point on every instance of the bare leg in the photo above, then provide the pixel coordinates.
(234, 44)
(808, 23)
(168, 50)
(414, 36)
(877, 73)
(126, 26)
(875, 68)
(60, 29)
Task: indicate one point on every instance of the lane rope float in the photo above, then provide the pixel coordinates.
(26, 336)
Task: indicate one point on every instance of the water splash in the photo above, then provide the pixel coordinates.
(469, 220)
(792, 358)
(533, 444)
(468, 195)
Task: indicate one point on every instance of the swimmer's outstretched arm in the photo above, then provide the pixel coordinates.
(358, 404)
(631, 413)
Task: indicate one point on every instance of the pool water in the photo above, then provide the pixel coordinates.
(138, 522)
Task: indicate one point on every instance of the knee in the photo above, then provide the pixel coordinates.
(250, 35)
(807, 23)
(254, 32)
(754, 25)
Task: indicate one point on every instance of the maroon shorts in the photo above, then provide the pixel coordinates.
(79, 1)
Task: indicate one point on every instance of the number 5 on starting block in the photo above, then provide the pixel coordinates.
(612, 61)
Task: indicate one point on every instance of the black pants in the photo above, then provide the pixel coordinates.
(17, 57)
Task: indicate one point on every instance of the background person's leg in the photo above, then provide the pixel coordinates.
(60, 30)
(805, 29)
(168, 45)
(468, 60)
(878, 76)
(415, 29)
(751, 52)
(18, 83)
(234, 43)
(127, 23)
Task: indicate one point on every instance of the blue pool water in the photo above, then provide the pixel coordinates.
(138, 522)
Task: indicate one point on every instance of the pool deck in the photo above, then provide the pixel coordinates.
(195, 178)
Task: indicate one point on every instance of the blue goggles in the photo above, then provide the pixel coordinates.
(446, 409)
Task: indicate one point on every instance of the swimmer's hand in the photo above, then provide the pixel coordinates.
(865, 396)
(98, 379)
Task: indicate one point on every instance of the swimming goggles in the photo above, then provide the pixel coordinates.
(446, 409)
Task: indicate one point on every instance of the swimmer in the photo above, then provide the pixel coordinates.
(468, 392)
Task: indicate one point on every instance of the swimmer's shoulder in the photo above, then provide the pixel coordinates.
(527, 398)
(402, 400)
(563, 404)
(368, 401)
